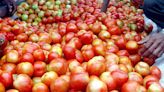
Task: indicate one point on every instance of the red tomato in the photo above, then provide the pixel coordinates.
(121, 42)
(108, 79)
(12, 56)
(79, 56)
(25, 68)
(86, 38)
(112, 49)
(79, 81)
(96, 27)
(149, 61)
(142, 68)
(96, 65)
(39, 68)
(120, 77)
(69, 36)
(12, 90)
(27, 57)
(51, 56)
(154, 70)
(2, 87)
(133, 76)
(130, 86)
(132, 47)
(59, 85)
(22, 37)
(9, 67)
(99, 49)
(135, 59)
(114, 30)
(58, 65)
(39, 55)
(23, 83)
(123, 53)
(40, 87)
(71, 28)
(69, 52)
(49, 77)
(6, 79)
(150, 78)
(102, 87)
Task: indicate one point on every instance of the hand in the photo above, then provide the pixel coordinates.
(153, 46)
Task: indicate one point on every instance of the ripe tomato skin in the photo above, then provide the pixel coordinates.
(6, 79)
(27, 57)
(58, 65)
(123, 53)
(86, 38)
(51, 56)
(39, 68)
(40, 87)
(23, 83)
(12, 90)
(69, 52)
(9, 67)
(71, 28)
(155, 71)
(135, 59)
(59, 85)
(114, 30)
(39, 55)
(120, 77)
(79, 81)
(2, 87)
(130, 86)
(121, 42)
(88, 54)
(22, 68)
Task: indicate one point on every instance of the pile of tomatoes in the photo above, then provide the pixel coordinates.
(83, 51)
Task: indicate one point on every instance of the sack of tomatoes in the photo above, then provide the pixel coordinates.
(70, 46)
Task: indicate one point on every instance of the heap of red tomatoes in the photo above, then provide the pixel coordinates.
(89, 52)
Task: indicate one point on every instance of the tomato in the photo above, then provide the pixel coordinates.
(123, 53)
(59, 85)
(79, 81)
(149, 61)
(124, 60)
(86, 38)
(69, 36)
(6, 79)
(114, 30)
(9, 67)
(135, 59)
(142, 68)
(45, 37)
(22, 37)
(96, 27)
(132, 47)
(154, 70)
(36, 80)
(150, 78)
(69, 52)
(40, 87)
(58, 65)
(112, 58)
(155, 87)
(112, 49)
(133, 76)
(79, 56)
(39, 55)
(130, 86)
(25, 68)
(71, 28)
(23, 83)
(2, 87)
(82, 26)
(88, 54)
(56, 37)
(48, 77)
(27, 57)
(12, 90)
(51, 56)
(12, 56)
(39, 68)
(102, 87)
(99, 50)
(104, 35)
(120, 77)
(108, 79)
(121, 42)
(96, 65)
